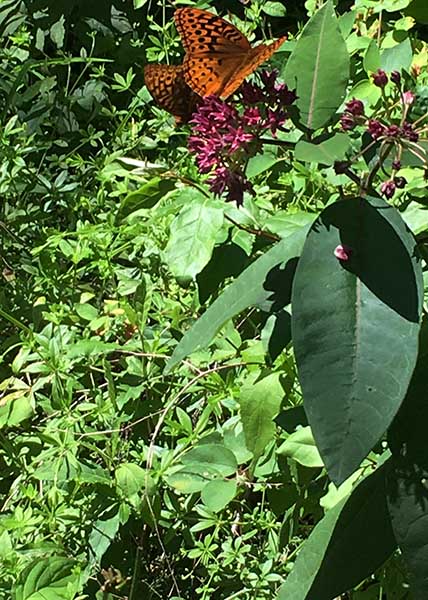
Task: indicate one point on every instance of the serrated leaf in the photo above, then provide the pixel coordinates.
(318, 69)
(355, 327)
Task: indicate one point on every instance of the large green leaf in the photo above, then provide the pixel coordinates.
(265, 283)
(352, 540)
(355, 327)
(318, 68)
(192, 237)
(48, 579)
(407, 481)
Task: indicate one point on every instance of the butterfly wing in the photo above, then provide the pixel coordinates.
(218, 56)
(202, 32)
(221, 73)
(167, 85)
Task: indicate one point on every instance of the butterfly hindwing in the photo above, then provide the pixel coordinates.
(167, 85)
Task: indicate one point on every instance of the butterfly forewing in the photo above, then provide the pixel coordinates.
(218, 56)
(202, 32)
(170, 91)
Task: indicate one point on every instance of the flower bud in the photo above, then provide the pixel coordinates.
(388, 188)
(343, 252)
(396, 77)
(380, 78)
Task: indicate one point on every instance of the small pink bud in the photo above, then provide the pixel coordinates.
(408, 98)
(343, 252)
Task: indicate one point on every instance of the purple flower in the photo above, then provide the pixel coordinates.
(388, 188)
(396, 77)
(251, 94)
(396, 165)
(355, 107)
(409, 133)
(347, 122)
(251, 116)
(223, 137)
(392, 131)
(375, 128)
(380, 78)
(285, 95)
(233, 182)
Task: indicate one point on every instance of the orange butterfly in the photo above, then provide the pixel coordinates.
(218, 56)
(170, 91)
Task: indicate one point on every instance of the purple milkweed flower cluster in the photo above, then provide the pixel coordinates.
(224, 137)
(397, 134)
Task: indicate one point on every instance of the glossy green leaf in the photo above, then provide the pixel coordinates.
(260, 400)
(300, 446)
(397, 58)
(355, 327)
(217, 494)
(193, 234)
(47, 579)
(266, 283)
(318, 69)
(325, 153)
(346, 546)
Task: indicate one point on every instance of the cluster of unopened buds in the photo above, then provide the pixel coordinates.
(225, 136)
(395, 136)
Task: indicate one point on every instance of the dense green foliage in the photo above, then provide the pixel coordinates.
(169, 427)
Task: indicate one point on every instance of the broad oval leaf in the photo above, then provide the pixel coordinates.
(215, 456)
(318, 69)
(355, 327)
(218, 493)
